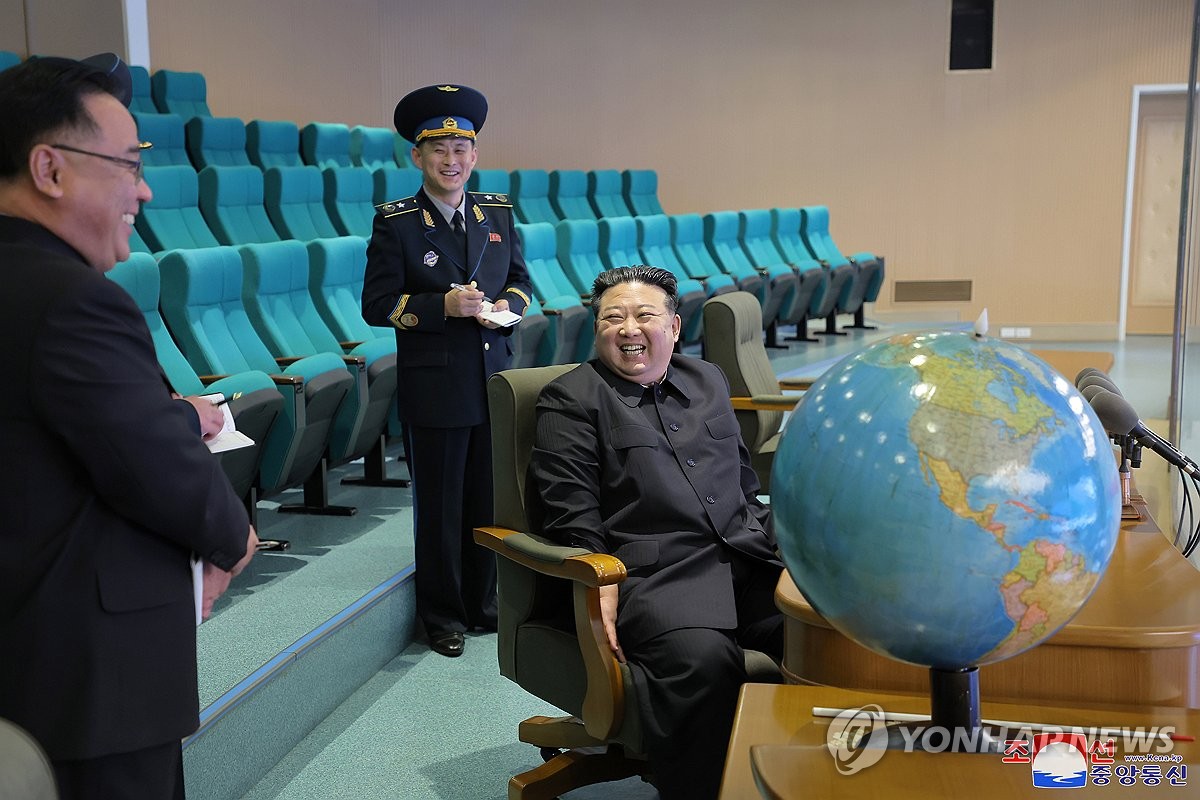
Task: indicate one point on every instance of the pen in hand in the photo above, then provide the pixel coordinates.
(462, 288)
(225, 400)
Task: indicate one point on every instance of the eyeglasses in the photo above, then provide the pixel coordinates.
(134, 166)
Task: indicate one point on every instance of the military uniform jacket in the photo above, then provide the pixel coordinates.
(658, 477)
(105, 491)
(413, 257)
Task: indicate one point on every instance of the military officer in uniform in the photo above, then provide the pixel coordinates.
(437, 264)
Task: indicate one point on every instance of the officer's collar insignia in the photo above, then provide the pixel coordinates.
(502, 198)
(478, 213)
(428, 219)
(431, 259)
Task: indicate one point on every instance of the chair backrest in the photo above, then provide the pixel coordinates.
(640, 188)
(139, 276)
(275, 294)
(785, 231)
(618, 242)
(10, 59)
(721, 238)
(569, 194)
(814, 232)
(512, 401)
(531, 196)
(325, 144)
(490, 181)
(372, 147)
(172, 218)
(579, 252)
(654, 241)
(335, 280)
(395, 183)
(166, 133)
(539, 247)
(295, 201)
(216, 142)
(25, 769)
(273, 143)
(754, 229)
(687, 237)
(141, 102)
(349, 199)
(604, 193)
(231, 200)
(733, 332)
(182, 93)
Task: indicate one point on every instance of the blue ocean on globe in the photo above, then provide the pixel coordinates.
(945, 499)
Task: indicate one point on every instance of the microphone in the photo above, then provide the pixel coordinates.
(1119, 419)
(1091, 391)
(1097, 379)
(1083, 373)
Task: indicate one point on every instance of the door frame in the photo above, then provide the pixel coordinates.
(1130, 175)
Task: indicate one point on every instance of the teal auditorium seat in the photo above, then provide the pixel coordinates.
(137, 244)
(490, 181)
(569, 338)
(785, 231)
(640, 188)
(403, 152)
(275, 292)
(182, 93)
(231, 200)
(578, 246)
(527, 339)
(216, 142)
(325, 144)
(172, 219)
(531, 196)
(335, 279)
(754, 229)
(395, 183)
(604, 193)
(295, 201)
(721, 238)
(619, 248)
(166, 133)
(687, 239)
(202, 305)
(653, 234)
(255, 402)
(372, 147)
(868, 269)
(141, 102)
(349, 193)
(273, 143)
(10, 59)
(569, 194)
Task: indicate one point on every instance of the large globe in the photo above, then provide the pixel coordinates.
(944, 499)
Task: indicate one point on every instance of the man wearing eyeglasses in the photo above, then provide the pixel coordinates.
(106, 491)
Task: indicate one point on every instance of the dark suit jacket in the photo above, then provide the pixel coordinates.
(105, 490)
(413, 257)
(674, 498)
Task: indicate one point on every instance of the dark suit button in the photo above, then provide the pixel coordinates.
(487, 345)
(674, 426)
(691, 462)
(711, 499)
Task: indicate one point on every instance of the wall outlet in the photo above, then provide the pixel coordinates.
(1008, 333)
(1024, 333)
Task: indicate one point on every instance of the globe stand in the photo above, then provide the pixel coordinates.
(954, 725)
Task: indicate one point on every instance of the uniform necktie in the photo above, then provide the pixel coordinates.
(460, 231)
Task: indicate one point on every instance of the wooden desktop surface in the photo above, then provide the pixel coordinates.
(1071, 362)
(776, 736)
(1136, 641)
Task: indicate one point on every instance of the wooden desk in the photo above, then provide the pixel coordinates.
(775, 735)
(1137, 641)
(1071, 362)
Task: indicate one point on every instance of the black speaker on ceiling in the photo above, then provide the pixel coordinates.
(971, 34)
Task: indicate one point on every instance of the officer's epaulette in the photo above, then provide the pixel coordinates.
(394, 207)
(485, 199)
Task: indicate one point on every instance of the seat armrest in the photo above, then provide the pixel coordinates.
(207, 379)
(557, 561)
(797, 384)
(287, 361)
(765, 402)
(287, 380)
(354, 361)
(349, 345)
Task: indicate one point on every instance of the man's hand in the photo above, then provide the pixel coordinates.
(216, 580)
(499, 305)
(464, 302)
(212, 418)
(608, 615)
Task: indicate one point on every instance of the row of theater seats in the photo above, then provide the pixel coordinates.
(276, 327)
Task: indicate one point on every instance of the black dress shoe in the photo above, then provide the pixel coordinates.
(447, 644)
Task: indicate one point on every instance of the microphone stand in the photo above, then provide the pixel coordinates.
(1131, 456)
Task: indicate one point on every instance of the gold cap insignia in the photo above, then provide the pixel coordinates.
(447, 88)
(450, 123)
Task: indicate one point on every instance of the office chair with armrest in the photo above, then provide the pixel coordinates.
(733, 341)
(550, 640)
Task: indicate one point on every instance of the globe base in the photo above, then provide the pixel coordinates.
(954, 725)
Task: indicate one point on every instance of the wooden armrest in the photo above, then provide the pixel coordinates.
(798, 384)
(207, 379)
(558, 561)
(287, 361)
(354, 361)
(349, 345)
(551, 312)
(764, 402)
(287, 380)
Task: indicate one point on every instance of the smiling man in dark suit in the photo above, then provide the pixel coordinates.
(436, 265)
(638, 454)
(106, 490)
